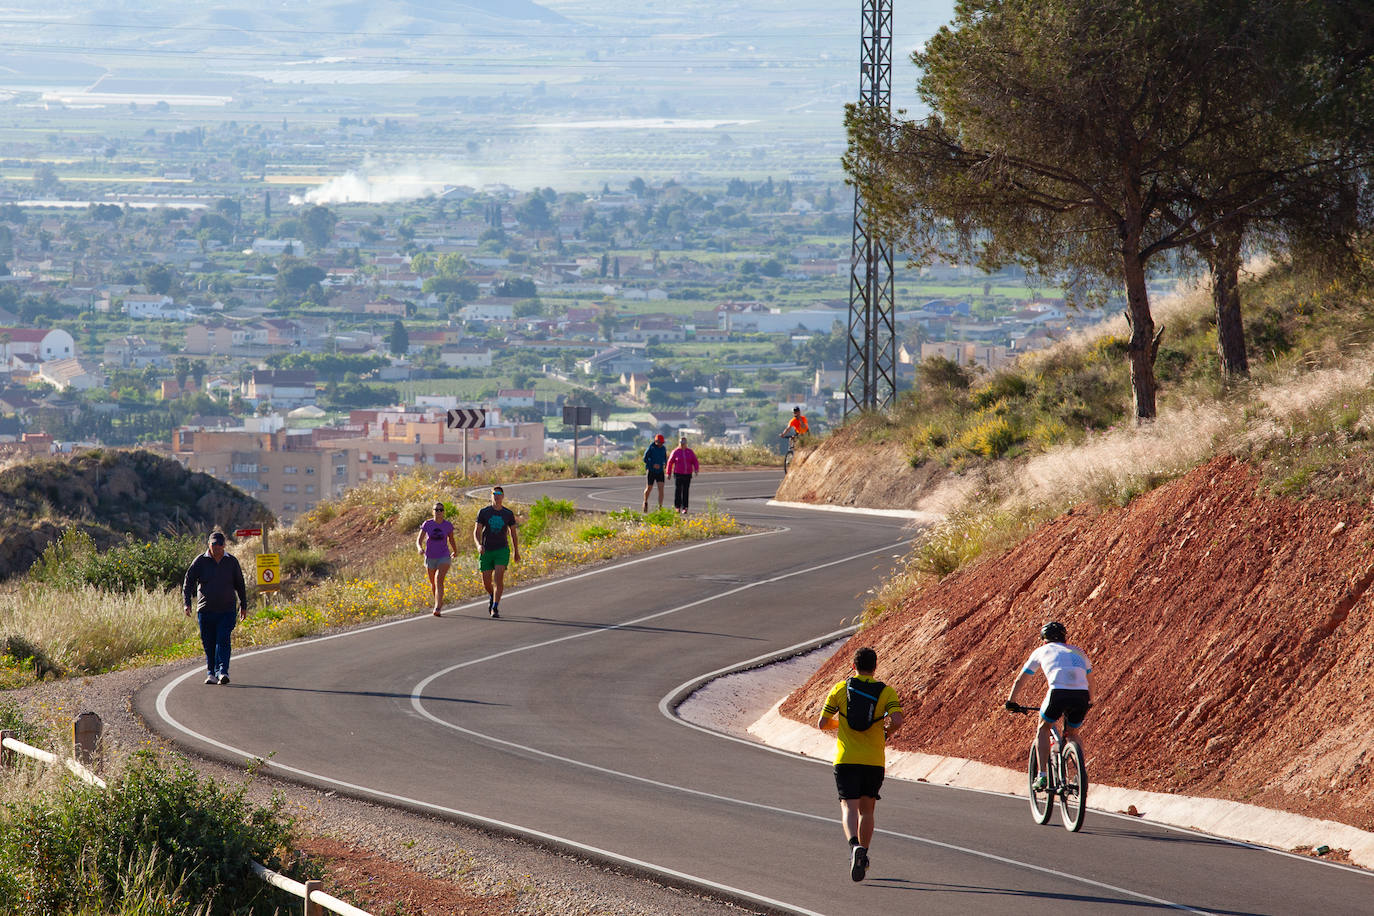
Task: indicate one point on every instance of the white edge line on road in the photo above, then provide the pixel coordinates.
(472, 817)
(909, 514)
(418, 705)
(416, 701)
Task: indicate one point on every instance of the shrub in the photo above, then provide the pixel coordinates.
(991, 438)
(595, 532)
(544, 511)
(158, 565)
(76, 848)
(12, 719)
(1001, 387)
(304, 559)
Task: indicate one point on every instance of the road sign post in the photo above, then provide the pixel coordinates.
(466, 418)
(576, 416)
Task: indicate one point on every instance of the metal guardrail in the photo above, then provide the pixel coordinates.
(87, 734)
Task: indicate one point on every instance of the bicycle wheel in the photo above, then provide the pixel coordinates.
(1041, 800)
(786, 461)
(1074, 791)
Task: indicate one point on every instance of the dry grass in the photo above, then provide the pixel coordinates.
(1299, 415)
(87, 629)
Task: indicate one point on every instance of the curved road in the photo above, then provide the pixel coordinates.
(547, 723)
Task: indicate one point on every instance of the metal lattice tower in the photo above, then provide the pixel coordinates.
(870, 373)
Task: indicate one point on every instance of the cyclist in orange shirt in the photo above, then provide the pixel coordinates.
(797, 426)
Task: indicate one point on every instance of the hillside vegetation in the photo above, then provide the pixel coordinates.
(111, 496)
(1215, 564)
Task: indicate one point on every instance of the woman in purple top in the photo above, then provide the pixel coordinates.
(436, 544)
(682, 464)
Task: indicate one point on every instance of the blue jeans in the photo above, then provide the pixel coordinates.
(215, 629)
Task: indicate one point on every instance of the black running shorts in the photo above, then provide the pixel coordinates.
(1071, 704)
(858, 780)
(655, 477)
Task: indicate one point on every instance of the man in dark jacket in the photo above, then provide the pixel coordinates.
(655, 460)
(215, 583)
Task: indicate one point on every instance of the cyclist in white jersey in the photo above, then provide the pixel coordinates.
(1069, 674)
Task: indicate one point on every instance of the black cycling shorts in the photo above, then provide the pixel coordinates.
(858, 780)
(655, 477)
(1071, 704)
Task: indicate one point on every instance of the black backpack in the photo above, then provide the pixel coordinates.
(861, 703)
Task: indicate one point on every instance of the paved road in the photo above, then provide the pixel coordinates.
(548, 723)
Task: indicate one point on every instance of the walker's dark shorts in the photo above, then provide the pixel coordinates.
(858, 780)
(655, 477)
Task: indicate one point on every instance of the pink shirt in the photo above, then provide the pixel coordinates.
(683, 461)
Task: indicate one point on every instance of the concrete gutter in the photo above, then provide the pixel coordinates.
(925, 518)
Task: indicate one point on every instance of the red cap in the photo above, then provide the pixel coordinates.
(658, 438)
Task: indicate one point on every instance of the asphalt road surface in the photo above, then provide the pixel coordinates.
(554, 723)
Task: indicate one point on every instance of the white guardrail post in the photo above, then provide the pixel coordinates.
(315, 900)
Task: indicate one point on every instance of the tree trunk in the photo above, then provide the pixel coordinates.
(1140, 352)
(1224, 260)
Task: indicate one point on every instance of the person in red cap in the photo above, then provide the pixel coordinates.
(655, 461)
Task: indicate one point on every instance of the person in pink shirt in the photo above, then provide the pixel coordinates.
(682, 464)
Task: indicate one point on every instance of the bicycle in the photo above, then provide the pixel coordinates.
(788, 453)
(1066, 776)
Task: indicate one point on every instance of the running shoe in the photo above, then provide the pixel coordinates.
(211, 679)
(858, 863)
(224, 678)
(1040, 783)
(495, 610)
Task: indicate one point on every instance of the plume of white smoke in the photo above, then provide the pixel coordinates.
(534, 161)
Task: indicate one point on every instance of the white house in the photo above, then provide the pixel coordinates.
(280, 388)
(515, 397)
(479, 311)
(138, 305)
(465, 357)
(277, 247)
(37, 343)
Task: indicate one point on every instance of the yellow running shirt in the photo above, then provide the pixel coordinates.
(865, 747)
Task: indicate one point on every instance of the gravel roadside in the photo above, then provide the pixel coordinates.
(382, 858)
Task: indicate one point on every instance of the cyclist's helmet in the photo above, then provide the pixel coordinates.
(1054, 632)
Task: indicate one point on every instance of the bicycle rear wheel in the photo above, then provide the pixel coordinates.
(1074, 791)
(1041, 800)
(786, 460)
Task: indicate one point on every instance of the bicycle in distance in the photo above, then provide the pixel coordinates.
(1066, 777)
(789, 451)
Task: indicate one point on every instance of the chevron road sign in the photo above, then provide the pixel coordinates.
(467, 418)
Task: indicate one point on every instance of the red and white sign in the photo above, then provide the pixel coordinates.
(247, 532)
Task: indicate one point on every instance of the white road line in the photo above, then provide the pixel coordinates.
(417, 698)
(417, 702)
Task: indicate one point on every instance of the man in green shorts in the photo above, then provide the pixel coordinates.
(864, 711)
(496, 542)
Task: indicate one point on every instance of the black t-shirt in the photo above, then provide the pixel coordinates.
(496, 522)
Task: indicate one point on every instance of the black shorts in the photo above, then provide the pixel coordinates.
(858, 780)
(1071, 704)
(655, 477)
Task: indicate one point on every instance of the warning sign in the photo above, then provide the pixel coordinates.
(269, 571)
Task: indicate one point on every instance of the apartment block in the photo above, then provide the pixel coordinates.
(285, 470)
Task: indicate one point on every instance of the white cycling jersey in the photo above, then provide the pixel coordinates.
(1065, 667)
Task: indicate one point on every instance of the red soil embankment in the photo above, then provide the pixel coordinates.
(1230, 632)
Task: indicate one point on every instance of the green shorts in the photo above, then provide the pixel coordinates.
(491, 559)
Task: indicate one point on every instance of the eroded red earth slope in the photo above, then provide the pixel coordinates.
(1230, 633)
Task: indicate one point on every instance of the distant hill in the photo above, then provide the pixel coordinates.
(111, 495)
(207, 25)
